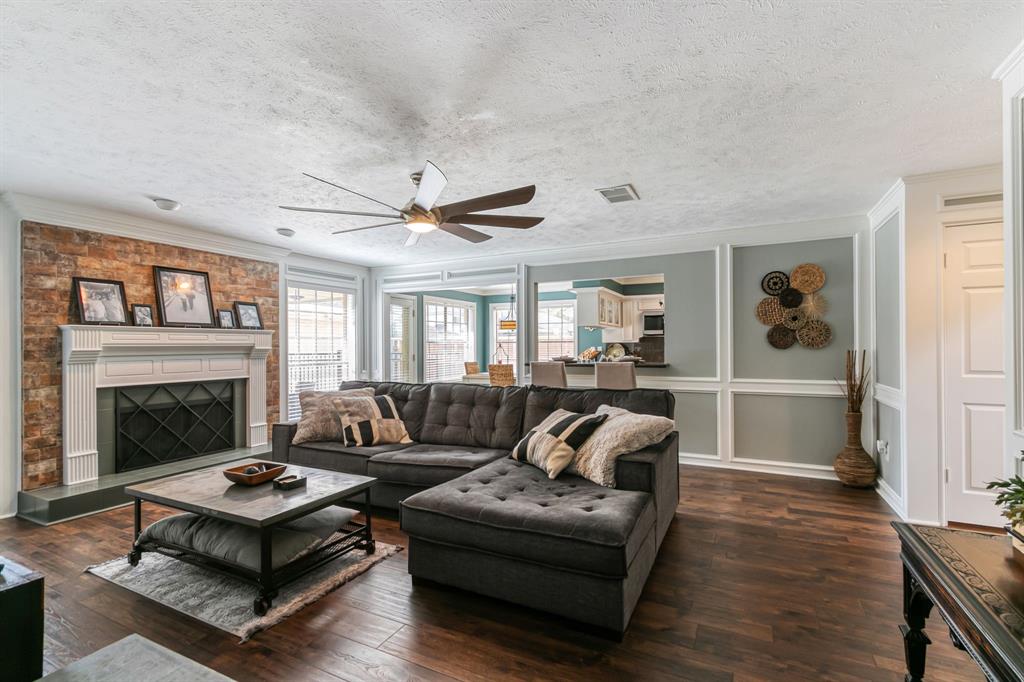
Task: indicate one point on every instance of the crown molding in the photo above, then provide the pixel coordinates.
(827, 228)
(51, 212)
(953, 174)
(1011, 62)
(887, 205)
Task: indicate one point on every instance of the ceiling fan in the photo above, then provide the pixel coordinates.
(421, 216)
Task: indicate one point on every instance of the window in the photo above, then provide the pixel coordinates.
(449, 335)
(556, 329)
(506, 338)
(321, 341)
(401, 355)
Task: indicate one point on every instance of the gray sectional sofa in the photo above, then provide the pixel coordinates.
(483, 522)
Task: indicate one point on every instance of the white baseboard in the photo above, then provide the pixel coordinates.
(891, 498)
(781, 469)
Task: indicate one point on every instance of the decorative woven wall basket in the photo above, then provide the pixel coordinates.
(774, 282)
(794, 318)
(815, 334)
(791, 298)
(770, 312)
(807, 278)
(781, 337)
(815, 306)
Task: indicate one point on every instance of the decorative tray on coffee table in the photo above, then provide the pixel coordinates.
(264, 471)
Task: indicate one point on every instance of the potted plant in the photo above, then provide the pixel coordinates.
(1011, 499)
(854, 466)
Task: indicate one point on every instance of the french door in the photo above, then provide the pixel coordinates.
(402, 359)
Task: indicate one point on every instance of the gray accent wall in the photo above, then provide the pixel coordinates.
(697, 421)
(789, 428)
(890, 470)
(753, 357)
(887, 303)
(690, 303)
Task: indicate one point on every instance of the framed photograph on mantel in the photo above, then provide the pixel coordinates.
(248, 315)
(183, 297)
(226, 318)
(142, 314)
(100, 301)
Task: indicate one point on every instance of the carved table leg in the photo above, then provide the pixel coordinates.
(916, 607)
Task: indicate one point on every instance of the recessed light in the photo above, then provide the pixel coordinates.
(286, 231)
(166, 204)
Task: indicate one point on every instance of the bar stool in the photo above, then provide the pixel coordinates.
(548, 374)
(618, 375)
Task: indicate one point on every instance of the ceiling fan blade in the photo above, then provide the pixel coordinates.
(340, 212)
(520, 221)
(369, 227)
(432, 183)
(512, 197)
(413, 239)
(376, 201)
(467, 233)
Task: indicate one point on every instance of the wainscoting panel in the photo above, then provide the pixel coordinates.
(797, 429)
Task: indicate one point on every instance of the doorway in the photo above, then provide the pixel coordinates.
(974, 395)
(402, 360)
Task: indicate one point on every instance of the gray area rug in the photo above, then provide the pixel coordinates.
(225, 602)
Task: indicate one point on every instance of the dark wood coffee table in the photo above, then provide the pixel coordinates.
(208, 493)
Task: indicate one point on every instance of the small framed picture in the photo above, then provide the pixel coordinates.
(142, 315)
(100, 301)
(248, 315)
(226, 319)
(183, 297)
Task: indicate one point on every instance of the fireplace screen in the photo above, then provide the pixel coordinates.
(170, 422)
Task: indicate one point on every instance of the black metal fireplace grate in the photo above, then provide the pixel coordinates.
(170, 422)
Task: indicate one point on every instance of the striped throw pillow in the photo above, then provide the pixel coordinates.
(370, 421)
(553, 443)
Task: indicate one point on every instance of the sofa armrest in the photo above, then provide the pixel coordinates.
(281, 436)
(654, 470)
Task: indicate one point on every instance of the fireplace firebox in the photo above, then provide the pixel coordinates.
(164, 423)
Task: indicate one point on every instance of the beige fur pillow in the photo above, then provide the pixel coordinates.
(621, 433)
(320, 421)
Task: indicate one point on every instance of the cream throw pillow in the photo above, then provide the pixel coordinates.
(370, 420)
(320, 421)
(621, 433)
(551, 445)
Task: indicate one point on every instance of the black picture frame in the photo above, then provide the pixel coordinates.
(241, 318)
(196, 307)
(136, 310)
(90, 302)
(221, 313)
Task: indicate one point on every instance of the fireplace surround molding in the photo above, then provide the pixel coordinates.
(97, 357)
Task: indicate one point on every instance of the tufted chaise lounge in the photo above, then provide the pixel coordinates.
(480, 521)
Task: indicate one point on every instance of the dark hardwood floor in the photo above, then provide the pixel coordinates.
(761, 577)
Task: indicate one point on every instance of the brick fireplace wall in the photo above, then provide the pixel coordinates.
(51, 256)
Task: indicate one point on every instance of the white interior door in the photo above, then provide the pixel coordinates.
(973, 374)
(402, 357)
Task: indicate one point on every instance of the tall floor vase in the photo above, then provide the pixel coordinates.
(854, 466)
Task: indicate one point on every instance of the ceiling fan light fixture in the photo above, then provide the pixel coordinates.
(420, 225)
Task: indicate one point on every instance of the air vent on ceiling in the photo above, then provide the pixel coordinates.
(971, 200)
(618, 194)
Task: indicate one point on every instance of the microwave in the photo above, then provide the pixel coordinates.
(654, 324)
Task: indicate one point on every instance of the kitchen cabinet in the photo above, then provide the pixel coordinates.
(598, 307)
(631, 324)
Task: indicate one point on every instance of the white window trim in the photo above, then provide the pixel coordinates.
(492, 338)
(558, 303)
(414, 333)
(473, 312)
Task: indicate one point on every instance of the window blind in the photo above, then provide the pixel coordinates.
(321, 341)
(449, 338)
(556, 329)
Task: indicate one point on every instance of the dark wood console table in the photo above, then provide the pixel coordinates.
(977, 586)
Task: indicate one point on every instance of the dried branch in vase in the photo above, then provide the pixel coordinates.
(855, 387)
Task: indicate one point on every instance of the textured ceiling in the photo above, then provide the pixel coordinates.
(721, 114)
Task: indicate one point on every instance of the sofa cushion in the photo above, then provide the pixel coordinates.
(240, 545)
(543, 400)
(515, 510)
(553, 444)
(367, 421)
(424, 464)
(410, 399)
(477, 416)
(338, 456)
(319, 419)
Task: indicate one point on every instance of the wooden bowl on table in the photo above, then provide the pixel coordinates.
(265, 471)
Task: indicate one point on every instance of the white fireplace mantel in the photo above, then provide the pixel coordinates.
(101, 356)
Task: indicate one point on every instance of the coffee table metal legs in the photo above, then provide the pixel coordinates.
(268, 591)
(136, 553)
(369, 545)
